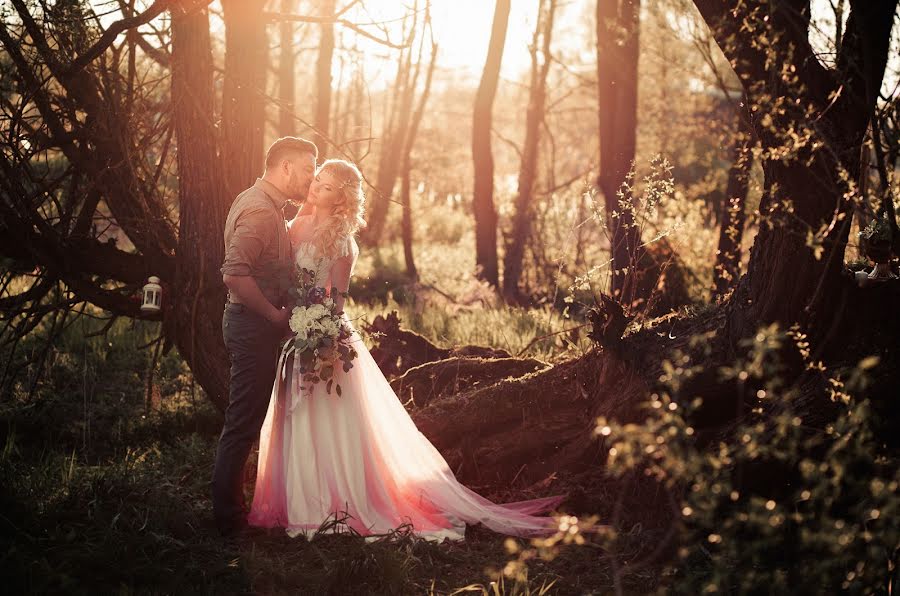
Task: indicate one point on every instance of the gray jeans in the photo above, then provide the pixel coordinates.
(252, 343)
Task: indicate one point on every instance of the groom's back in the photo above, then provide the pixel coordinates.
(256, 242)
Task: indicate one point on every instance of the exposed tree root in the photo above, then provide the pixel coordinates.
(535, 434)
(426, 382)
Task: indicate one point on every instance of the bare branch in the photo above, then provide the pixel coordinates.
(120, 26)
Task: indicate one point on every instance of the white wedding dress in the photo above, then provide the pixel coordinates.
(359, 457)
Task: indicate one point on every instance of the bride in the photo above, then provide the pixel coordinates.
(358, 458)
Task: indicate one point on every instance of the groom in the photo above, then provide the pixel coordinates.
(257, 260)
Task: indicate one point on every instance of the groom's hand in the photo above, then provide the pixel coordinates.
(280, 319)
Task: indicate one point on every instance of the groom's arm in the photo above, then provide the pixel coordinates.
(247, 291)
(244, 248)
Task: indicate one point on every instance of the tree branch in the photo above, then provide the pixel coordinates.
(335, 20)
(864, 53)
(110, 35)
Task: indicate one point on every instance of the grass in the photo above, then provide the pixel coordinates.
(541, 333)
(141, 524)
(452, 308)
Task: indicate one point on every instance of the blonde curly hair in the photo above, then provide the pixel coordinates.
(346, 217)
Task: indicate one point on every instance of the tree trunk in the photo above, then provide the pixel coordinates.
(339, 109)
(406, 226)
(617, 64)
(521, 225)
(795, 269)
(195, 320)
(243, 106)
(287, 80)
(727, 269)
(482, 156)
(323, 79)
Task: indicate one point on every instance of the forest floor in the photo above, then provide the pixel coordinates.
(104, 487)
(142, 524)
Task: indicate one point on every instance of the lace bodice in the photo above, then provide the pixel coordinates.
(307, 256)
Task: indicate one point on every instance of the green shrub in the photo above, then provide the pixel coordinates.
(776, 504)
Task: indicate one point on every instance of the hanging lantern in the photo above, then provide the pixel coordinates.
(152, 296)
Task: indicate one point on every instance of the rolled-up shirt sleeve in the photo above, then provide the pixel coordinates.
(252, 230)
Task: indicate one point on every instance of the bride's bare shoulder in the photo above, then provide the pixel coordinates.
(299, 220)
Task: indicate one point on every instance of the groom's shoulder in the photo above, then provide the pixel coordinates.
(251, 200)
(253, 195)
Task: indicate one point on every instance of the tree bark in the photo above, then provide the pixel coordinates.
(485, 214)
(287, 79)
(727, 269)
(243, 106)
(406, 226)
(323, 80)
(521, 225)
(195, 317)
(617, 68)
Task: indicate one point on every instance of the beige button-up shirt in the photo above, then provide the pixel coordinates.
(257, 242)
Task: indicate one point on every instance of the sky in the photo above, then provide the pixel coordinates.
(462, 29)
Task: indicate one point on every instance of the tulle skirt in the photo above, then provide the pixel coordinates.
(359, 459)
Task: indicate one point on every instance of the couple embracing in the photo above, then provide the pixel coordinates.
(356, 457)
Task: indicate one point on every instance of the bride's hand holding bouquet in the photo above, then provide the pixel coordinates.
(321, 340)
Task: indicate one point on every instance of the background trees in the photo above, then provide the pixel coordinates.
(617, 81)
(126, 139)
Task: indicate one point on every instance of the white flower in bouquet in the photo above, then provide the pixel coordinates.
(299, 320)
(330, 326)
(316, 311)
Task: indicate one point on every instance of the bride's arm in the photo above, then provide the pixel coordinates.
(340, 280)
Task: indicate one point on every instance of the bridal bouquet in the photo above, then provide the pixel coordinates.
(321, 341)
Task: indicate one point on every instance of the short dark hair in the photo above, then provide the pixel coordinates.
(280, 148)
